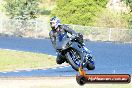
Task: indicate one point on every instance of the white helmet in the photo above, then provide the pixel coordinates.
(55, 20)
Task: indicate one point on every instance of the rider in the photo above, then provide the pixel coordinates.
(57, 29)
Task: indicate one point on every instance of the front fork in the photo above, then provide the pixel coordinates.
(85, 57)
(82, 51)
(82, 61)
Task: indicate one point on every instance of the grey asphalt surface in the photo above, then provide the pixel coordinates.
(110, 58)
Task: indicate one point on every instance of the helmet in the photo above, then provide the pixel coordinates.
(54, 20)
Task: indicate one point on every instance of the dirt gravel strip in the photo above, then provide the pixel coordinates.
(52, 82)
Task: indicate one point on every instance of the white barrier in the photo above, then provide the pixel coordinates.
(40, 29)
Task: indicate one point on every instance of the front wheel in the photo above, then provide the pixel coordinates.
(90, 66)
(74, 59)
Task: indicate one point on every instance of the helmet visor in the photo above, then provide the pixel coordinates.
(52, 23)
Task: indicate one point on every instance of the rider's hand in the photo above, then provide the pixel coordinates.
(74, 36)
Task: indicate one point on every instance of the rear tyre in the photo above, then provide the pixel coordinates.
(81, 80)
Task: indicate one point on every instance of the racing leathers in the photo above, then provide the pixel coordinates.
(62, 29)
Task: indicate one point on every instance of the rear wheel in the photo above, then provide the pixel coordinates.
(74, 59)
(81, 80)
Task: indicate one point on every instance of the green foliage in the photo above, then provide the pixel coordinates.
(130, 21)
(45, 6)
(113, 20)
(22, 9)
(129, 3)
(129, 16)
(83, 12)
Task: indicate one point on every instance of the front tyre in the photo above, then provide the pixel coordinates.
(90, 66)
(74, 59)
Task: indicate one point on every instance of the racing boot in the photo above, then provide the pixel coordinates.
(60, 59)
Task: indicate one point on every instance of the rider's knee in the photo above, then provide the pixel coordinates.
(60, 59)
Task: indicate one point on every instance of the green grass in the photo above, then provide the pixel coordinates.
(13, 60)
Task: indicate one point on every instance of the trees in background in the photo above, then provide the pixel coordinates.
(111, 19)
(82, 12)
(21, 9)
(129, 3)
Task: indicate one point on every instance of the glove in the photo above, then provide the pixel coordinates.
(74, 36)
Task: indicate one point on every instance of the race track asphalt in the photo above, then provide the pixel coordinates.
(110, 58)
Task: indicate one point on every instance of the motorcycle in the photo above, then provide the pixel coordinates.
(76, 55)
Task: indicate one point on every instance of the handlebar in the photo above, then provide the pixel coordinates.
(74, 36)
